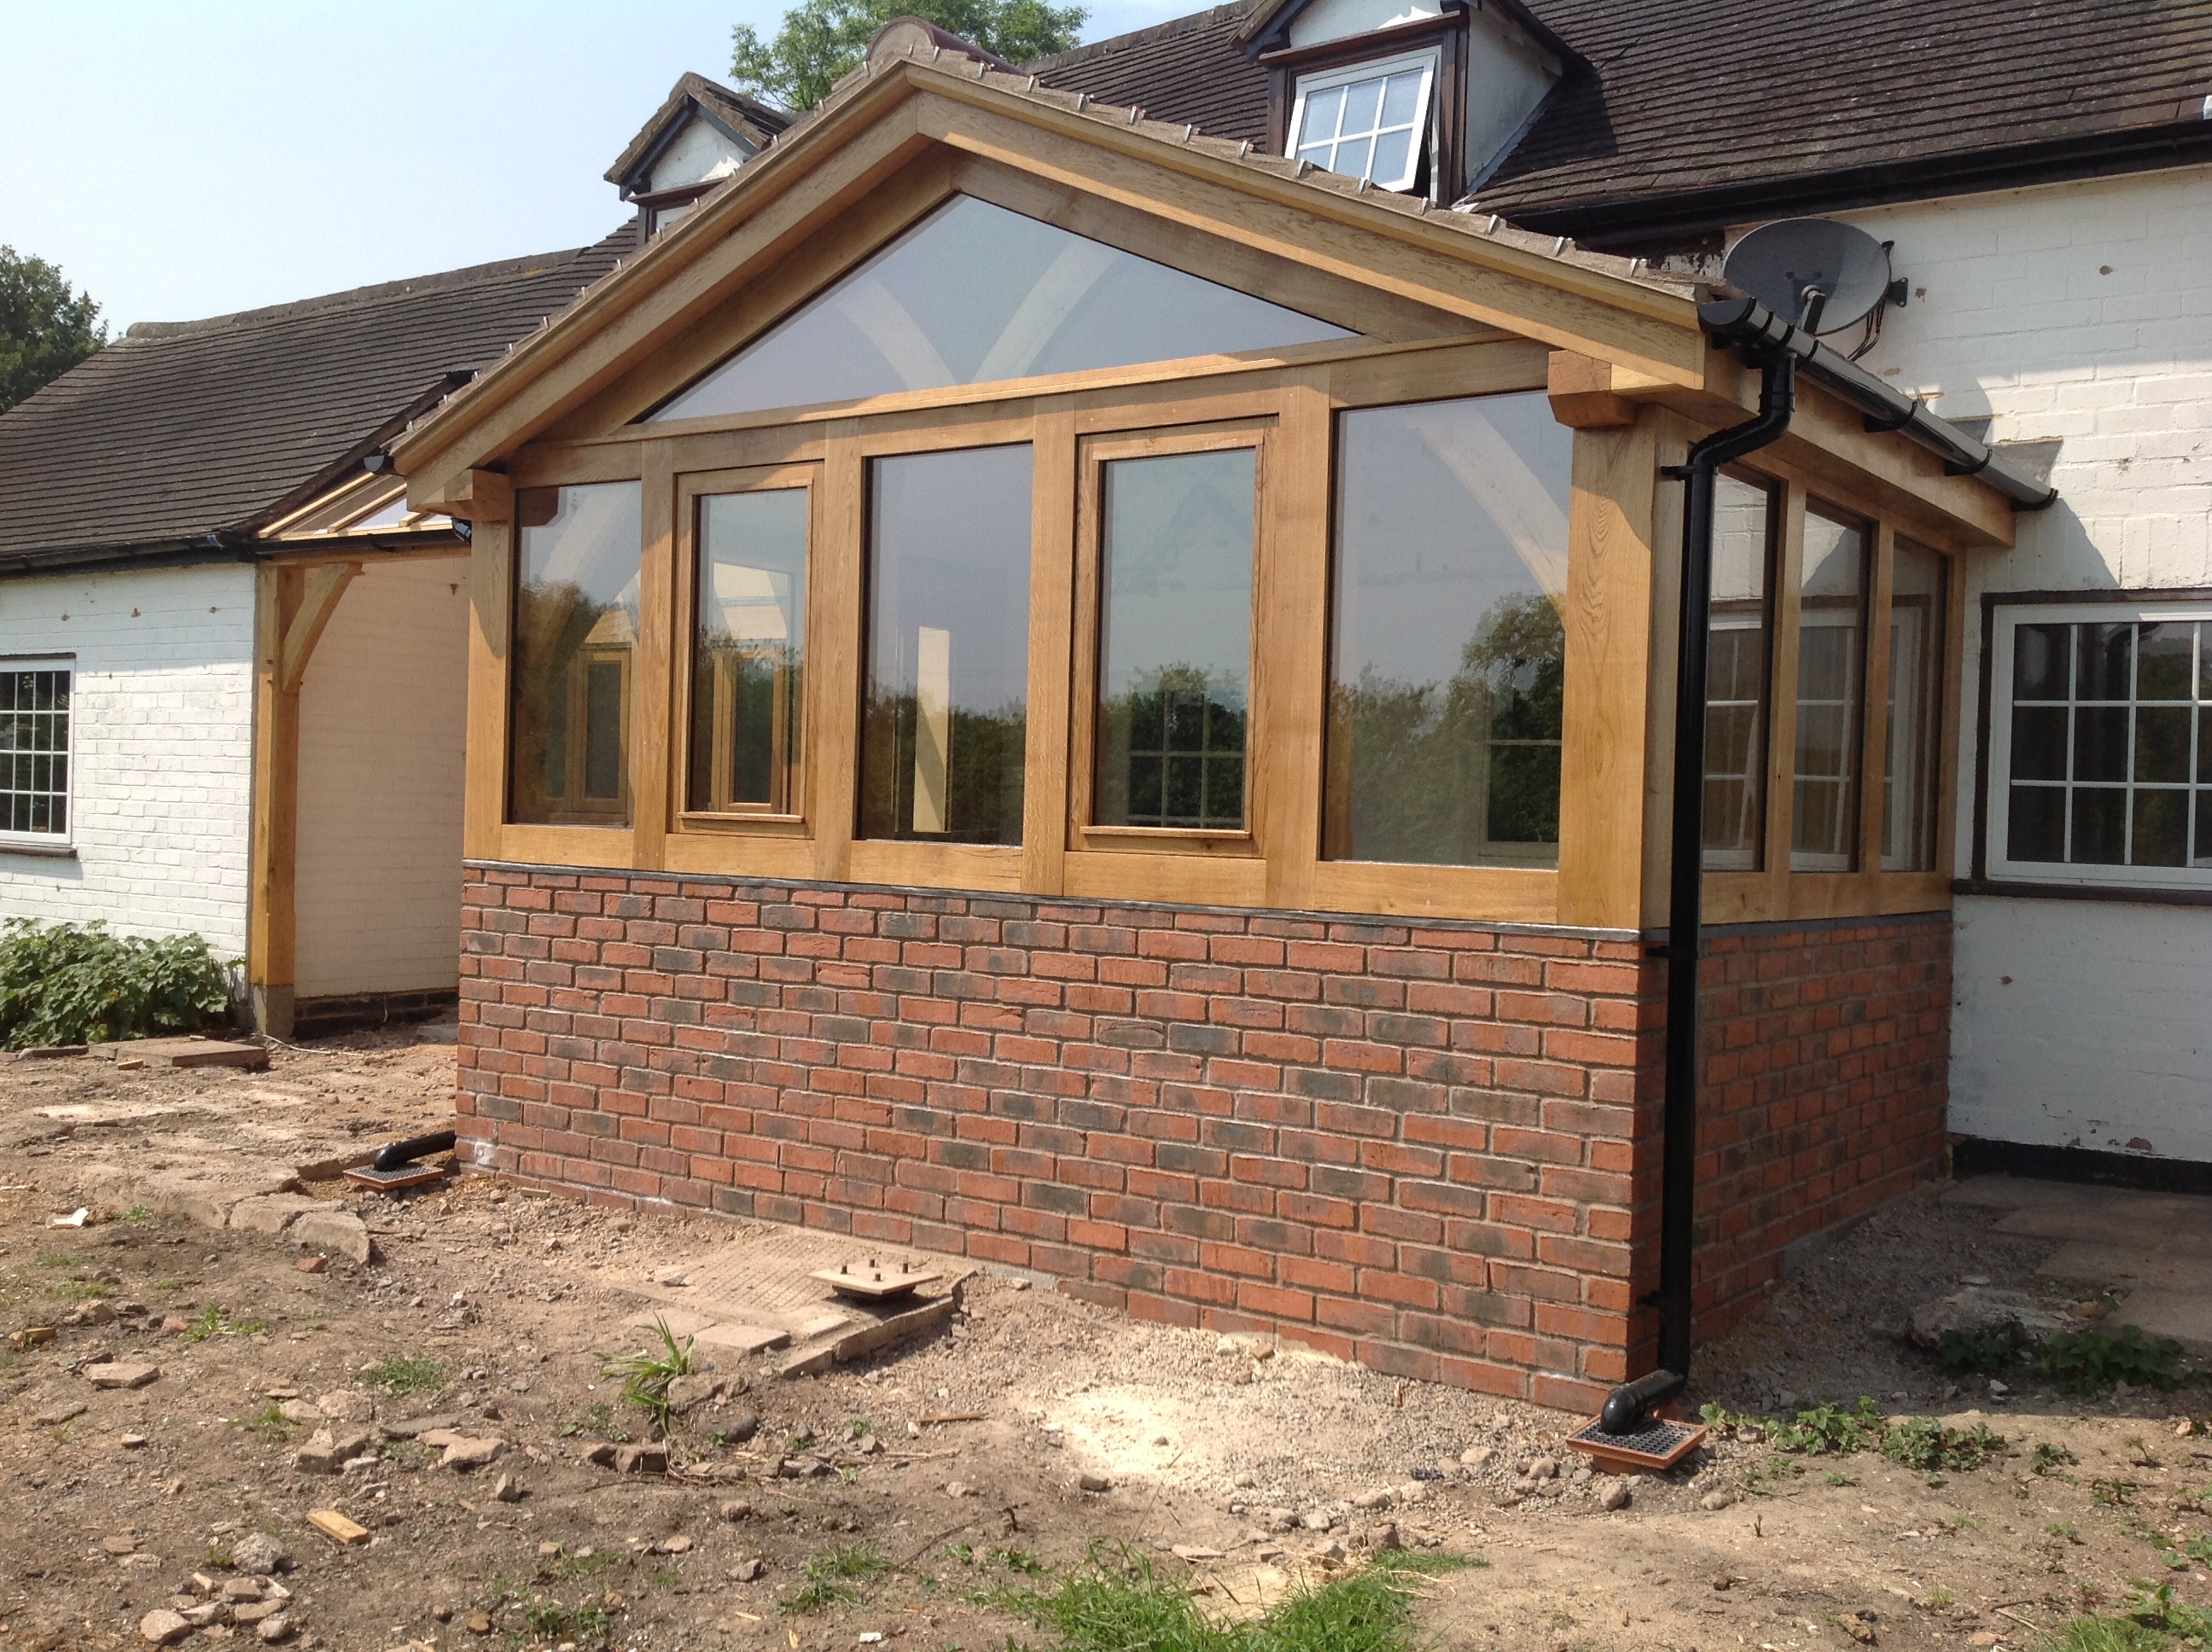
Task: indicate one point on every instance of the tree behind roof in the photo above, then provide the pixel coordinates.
(821, 39)
(44, 328)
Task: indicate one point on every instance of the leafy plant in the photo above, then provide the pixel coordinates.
(833, 1575)
(2049, 1458)
(404, 1375)
(2082, 1360)
(646, 1376)
(1923, 1443)
(271, 1423)
(77, 984)
(1827, 1429)
(1983, 1352)
(599, 1419)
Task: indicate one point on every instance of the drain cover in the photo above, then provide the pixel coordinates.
(407, 1175)
(1656, 1445)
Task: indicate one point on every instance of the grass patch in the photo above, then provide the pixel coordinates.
(214, 1320)
(2153, 1622)
(598, 1420)
(79, 1291)
(271, 1423)
(834, 1575)
(1117, 1602)
(402, 1375)
(646, 1376)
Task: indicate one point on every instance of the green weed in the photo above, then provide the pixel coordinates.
(1825, 1430)
(136, 1213)
(214, 1320)
(1986, 1352)
(271, 1423)
(2084, 1360)
(2049, 1458)
(646, 1376)
(404, 1375)
(833, 1575)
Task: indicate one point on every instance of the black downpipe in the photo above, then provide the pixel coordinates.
(1627, 1405)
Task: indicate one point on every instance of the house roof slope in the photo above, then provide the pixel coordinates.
(758, 122)
(178, 431)
(1191, 70)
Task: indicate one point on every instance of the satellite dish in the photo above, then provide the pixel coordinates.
(1822, 274)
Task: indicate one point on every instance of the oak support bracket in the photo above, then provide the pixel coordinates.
(320, 600)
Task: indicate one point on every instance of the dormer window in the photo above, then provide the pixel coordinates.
(1370, 120)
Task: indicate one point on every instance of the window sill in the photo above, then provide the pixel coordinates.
(2167, 894)
(37, 851)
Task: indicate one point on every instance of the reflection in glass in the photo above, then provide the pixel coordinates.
(1447, 652)
(1831, 619)
(1745, 520)
(1175, 640)
(748, 651)
(1913, 771)
(947, 706)
(576, 641)
(974, 292)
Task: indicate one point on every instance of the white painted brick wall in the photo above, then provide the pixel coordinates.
(383, 720)
(163, 740)
(2080, 311)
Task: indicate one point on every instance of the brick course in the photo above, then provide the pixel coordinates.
(1432, 1148)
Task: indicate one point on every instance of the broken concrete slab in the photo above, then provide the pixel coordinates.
(339, 1232)
(329, 1450)
(680, 1322)
(121, 1374)
(269, 1212)
(743, 1339)
(2125, 1267)
(1973, 1309)
(2185, 1315)
(818, 1357)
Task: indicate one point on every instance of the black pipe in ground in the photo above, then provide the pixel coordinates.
(1627, 1405)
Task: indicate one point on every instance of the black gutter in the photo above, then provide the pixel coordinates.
(1635, 222)
(213, 550)
(1626, 1405)
(1745, 324)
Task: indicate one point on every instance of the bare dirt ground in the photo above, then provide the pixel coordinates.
(961, 1461)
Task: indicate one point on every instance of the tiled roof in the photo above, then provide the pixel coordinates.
(1192, 70)
(1686, 98)
(759, 122)
(1678, 101)
(180, 430)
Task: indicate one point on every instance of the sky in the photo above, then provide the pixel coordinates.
(188, 158)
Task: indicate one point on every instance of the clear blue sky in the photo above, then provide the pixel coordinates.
(185, 158)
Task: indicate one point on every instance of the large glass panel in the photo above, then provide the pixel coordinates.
(576, 641)
(947, 706)
(748, 651)
(974, 292)
(1831, 624)
(1175, 640)
(1447, 652)
(1745, 520)
(1912, 773)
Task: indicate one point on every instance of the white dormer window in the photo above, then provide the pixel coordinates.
(1370, 120)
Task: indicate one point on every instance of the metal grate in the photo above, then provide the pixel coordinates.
(1656, 1445)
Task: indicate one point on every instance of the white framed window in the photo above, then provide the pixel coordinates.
(1370, 120)
(2100, 743)
(34, 751)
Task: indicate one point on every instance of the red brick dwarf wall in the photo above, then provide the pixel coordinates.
(1431, 1148)
(1827, 1050)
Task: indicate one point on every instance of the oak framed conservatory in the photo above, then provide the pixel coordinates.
(1047, 688)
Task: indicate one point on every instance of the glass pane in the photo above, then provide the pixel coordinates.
(1912, 773)
(2104, 663)
(1735, 675)
(974, 292)
(2160, 834)
(2162, 743)
(1362, 100)
(2203, 855)
(947, 706)
(1393, 151)
(1823, 832)
(1322, 109)
(748, 651)
(576, 634)
(1353, 156)
(2035, 823)
(2101, 743)
(2166, 662)
(1446, 653)
(1401, 98)
(2039, 743)
(2100, 817)
(1175, 642)
(2039, 654)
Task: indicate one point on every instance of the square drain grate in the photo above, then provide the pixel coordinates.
(1656, 1446)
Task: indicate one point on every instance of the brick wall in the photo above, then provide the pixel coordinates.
(161, 787)
(1433, 1148)
(1825, 1048)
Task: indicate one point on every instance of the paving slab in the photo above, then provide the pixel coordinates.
(2127, 1267)
(2185, 1315)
